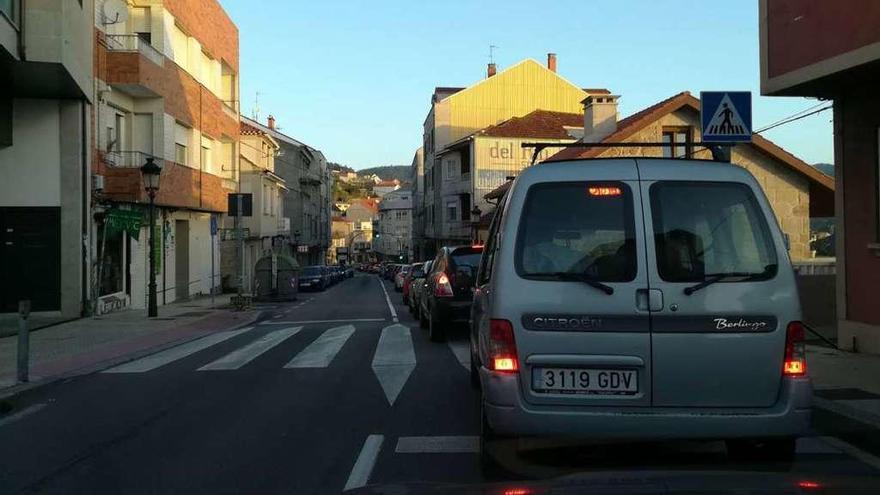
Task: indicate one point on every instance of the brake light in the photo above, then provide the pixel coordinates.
(604, 191)
(442, 286)
(502, 347)
(795, 363)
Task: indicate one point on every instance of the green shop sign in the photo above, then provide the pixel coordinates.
(128, 221)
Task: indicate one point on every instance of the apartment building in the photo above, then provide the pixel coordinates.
(416, 179)
(166, 88)
(45, 105)
(393, 234)
(450, 183)
(307, 199)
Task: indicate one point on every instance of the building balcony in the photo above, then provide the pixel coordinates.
(134, 67)
(179, 186)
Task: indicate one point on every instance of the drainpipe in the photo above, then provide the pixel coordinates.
(84, 227)
(22, 52)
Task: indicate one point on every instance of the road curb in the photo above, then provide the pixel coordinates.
(835, 407)
(15, 390)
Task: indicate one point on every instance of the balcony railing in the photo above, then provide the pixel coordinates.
(134, 43)
(127, 159)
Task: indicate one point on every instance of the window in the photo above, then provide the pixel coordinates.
(139, 18)
(465, 162)
(451, 168)
(452, 211)
(465, 200)
(179, 47)
(119, 131)
(681, 138)
(566, 227)
(704, 228)
(181, 146)
(265, 194)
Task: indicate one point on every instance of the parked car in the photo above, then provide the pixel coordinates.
(313, 278)
(417, 289)
(415, 275)
(400, 276)
(642, 300)
(447, 299)
(349, 272)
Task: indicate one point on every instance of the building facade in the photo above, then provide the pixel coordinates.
(416, 180)
(266, 229)
(386, 186)
(447, 189)
(832, 53)
(307, 199)
(166, 88)
(46, 105)
(393, 231)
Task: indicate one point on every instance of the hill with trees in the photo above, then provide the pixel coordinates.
(399, 172)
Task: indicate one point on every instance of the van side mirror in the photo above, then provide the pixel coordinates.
(787, 239)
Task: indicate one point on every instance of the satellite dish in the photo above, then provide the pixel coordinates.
(114, 12)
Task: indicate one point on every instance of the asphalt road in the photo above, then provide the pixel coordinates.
(326, 393)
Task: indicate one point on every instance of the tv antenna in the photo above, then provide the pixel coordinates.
(492, 49)
(255, 113)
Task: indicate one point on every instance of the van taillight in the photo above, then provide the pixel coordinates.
(795, 363)
(442, 286)
(502, 347)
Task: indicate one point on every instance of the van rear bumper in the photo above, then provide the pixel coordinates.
(508, 414)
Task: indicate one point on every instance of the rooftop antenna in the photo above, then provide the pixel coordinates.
(255, 113)
(492, 49)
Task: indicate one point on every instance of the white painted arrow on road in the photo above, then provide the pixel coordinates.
(394, 361)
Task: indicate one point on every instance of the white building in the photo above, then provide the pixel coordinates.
(386, 186)
(393, 236)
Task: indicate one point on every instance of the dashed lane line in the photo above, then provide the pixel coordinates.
(366, 460)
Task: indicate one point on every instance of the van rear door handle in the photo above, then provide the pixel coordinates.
(655, 299)
(649, 300)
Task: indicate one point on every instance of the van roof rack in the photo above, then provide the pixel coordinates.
(720, 151)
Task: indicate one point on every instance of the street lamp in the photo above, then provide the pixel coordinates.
(151, 172)
(476, 212)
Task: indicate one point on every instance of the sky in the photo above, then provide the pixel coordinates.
(354, 78)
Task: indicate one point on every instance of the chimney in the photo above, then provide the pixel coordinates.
(600, 117)
(551, 61)
(491, 70)
(271, 122)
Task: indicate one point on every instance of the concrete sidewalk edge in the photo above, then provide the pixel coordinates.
(20, 388)
(848, 411)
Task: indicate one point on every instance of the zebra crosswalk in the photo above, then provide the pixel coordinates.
(393, 352)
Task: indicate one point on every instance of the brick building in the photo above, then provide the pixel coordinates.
(166, 87)
(831, 50)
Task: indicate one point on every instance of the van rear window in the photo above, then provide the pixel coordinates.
(585, 228)
(708, 228)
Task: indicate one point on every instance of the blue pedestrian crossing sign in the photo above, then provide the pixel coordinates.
(726, 116)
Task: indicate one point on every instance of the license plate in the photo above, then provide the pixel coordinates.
(585, 381)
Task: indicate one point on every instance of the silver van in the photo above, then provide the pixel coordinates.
(640, 299)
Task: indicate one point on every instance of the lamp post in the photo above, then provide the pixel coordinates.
(150, 172)
(476, 212)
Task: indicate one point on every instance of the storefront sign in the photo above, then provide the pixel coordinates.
(128, 221)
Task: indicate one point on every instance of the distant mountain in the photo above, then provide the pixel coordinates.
(399, 172)
(825, 168)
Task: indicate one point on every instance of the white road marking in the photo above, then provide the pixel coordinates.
(852, 450)
(394, 360)
(388, 300)
(363, 466)
(321, 352)
(21, 414)
(462, 351)
(438, 445)
(170, 355)
(240, 357)
(305, 322)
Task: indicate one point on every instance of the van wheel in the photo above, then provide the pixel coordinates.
(435, 333)
(775, 449)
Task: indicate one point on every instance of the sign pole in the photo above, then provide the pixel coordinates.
(213, 240)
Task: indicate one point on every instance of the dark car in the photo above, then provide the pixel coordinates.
(449, 292)
(313, 278)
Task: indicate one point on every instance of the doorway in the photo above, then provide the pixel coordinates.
(181, 259)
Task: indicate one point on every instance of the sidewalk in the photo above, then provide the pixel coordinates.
(89, 344)
(846, 384)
